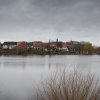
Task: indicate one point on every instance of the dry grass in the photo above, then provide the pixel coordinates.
(70, 86)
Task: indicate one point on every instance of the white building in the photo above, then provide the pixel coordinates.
(9, 45)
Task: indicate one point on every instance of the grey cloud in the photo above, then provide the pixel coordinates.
(49, 18)
(53, 2)
(6, 2)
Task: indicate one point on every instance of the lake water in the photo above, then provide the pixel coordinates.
(21, 75)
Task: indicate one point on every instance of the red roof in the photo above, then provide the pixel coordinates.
(64, 45)
(38, 44)
(53, 45)
(22, 44)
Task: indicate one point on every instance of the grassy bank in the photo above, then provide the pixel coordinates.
(70, 86)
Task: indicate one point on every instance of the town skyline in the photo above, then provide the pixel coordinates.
(50, 40)
(48, 48)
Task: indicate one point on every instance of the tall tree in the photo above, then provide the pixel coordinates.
(88, 48)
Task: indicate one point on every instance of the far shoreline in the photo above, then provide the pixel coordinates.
(50, 55)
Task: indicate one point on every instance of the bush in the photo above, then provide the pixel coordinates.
(70, 86)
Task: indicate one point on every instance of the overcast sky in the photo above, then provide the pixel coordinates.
(31, 20)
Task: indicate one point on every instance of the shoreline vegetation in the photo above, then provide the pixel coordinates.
(71, 85)
(41, 52)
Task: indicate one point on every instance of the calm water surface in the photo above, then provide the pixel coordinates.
(20, 75)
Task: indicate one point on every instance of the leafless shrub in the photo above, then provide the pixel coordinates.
(70, 86)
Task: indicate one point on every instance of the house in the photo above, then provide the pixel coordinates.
(22, 45)
(9, 45)
(64, 46)
(38, 45)
(46, 46)
(73, 47)
(53, 45)
(30, 45)
(74, 42)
